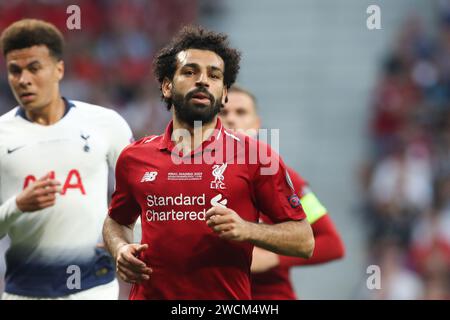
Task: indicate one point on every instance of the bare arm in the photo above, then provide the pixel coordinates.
(118, 240)
(116, 235)
(292, 238)
(328, 247)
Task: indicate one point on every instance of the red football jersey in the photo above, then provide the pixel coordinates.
(275, 284)
(172, 193)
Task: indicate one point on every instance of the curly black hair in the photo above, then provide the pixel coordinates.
(195, 37)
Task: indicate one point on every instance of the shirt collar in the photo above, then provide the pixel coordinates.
(207, 145)
(67, 104)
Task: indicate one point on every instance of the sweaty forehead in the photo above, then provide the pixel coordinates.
(203, 58)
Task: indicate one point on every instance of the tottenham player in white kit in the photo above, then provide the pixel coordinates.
(54, 158)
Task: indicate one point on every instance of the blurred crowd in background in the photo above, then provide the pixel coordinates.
(407, 179)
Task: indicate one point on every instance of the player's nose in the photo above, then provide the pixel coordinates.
(25, 79)
(202, 80)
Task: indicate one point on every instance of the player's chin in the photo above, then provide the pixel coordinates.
(30, 105)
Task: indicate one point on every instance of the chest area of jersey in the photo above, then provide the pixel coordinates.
(193, 187)
(73, 150)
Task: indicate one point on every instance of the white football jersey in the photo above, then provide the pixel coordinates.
(51, 245)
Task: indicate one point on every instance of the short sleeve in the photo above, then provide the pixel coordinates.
(275, 193)
(123, 208)
(311, 205)
(120, 136)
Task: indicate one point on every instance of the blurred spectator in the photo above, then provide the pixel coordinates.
(407, 180)
(397, 281)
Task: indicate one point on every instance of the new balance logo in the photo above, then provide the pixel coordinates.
(149, 176)
(217, 201)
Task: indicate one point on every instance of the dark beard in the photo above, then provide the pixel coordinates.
(188, 112)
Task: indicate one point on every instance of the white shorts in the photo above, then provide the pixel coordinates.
(109, 291)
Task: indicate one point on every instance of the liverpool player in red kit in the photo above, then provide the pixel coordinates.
(270, 272)
(199, 188)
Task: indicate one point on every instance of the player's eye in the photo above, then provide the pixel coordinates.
(33, 69)
(216, 76)
(15, 71)
(188, 72)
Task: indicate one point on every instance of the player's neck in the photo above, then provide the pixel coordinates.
(197, 134)
(48, 114)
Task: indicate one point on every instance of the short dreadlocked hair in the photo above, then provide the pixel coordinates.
(194, 37)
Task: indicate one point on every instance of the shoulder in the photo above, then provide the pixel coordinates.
(296, 177)
(96, 112)
(11, 124)
(254, 144)
(107, 121)
(236, 136)
(149, 142)
(257, 151)
(243, 141)
(9, 116)
(141, 146)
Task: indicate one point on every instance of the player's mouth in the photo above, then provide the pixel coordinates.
(201, 98)
(27, 96)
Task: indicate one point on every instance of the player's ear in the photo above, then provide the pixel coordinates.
(166, 88)
(59, 70)
(225, 95)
